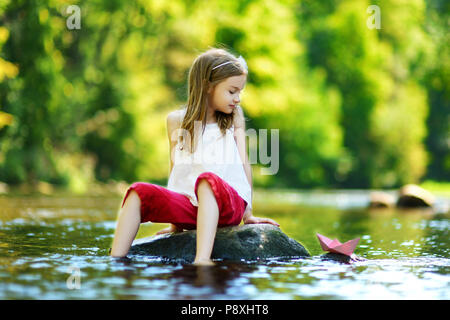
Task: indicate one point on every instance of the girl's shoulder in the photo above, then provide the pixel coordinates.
(175, 118)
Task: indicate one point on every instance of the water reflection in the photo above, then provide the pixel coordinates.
(217, 280)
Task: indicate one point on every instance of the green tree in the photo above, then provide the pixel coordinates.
(26, 150)
(355, 107)
(437, 83)
(383, 106)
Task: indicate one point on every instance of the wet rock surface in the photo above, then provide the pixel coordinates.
(247, 242)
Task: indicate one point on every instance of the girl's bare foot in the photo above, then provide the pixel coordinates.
(170, 229)
(204, 262)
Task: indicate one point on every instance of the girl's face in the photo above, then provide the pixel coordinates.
(224, 97)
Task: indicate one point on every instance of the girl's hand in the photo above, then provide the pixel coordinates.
(249, 218)
(170, 229)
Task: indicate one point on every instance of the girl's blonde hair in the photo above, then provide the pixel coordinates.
(206, 73)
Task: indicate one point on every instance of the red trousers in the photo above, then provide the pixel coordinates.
(159, 204)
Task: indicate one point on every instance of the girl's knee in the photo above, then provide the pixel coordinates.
(132, 198)
(203, 183)
(133, 194)
(207, 180)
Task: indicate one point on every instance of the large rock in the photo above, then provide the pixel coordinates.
(412, 195)
(246, 242)
(380, 199)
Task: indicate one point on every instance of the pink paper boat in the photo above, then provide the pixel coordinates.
(337, 247)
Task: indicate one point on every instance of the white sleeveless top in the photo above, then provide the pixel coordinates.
(215, 153)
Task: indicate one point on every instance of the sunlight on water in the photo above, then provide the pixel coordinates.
(47, 244)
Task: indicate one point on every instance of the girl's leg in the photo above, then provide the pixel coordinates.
(127, 225)
(207, 220)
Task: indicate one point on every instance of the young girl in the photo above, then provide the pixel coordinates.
(210, 181)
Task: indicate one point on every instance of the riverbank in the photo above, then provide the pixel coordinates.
(112, 188)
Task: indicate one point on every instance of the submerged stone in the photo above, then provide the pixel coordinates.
(247, 242)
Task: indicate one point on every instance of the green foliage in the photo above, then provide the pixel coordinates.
(355, 107)
(437, 83)
(377, 72)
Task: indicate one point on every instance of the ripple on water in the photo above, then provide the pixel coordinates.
(407, 258)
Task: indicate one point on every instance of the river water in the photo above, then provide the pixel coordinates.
(56, 247)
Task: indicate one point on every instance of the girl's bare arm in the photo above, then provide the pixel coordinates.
(173, 123)
(239, 137)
